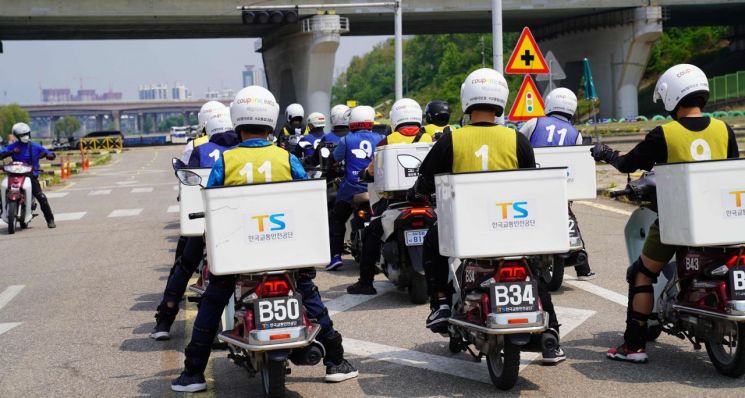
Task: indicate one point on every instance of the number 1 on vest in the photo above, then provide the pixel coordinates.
(265, 169)
(483, 153)
(215, 154)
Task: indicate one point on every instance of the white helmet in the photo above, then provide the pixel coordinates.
(484, 86)
(340, 115)
(294, 110)
(256, 106)
(218, 123)
(679, 82)
(20, 129)
(317, 119)
(561, 100)
(206, 110)
(362, 118)
(405, 110)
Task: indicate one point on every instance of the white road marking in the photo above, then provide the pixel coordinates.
(125, 213)
(9, 293)
(610, 295)
(347, 301)
(69, 216)
(142, 190)
(570, 318)
(4, 327)
(99, 192)
(604, 207)
(126, 182)
(174, 209)
(53, 195)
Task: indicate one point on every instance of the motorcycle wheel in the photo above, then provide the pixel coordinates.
(12, 212)
(504, 366)
(728, 355)
(418, 289)
(273, 378)
(21, 220)
(455, 345)
(557, 273)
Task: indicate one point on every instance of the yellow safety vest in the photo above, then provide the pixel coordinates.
(477, 148)
(255, 165)
(433, 129)
(286, 131)
(684, 145)
(201, 140)
(398, 138)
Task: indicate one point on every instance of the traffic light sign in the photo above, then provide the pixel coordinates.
(275, 17)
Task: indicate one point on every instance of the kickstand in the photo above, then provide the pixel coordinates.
(476, 357)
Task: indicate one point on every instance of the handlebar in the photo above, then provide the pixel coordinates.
(625, 192)
(194, 216)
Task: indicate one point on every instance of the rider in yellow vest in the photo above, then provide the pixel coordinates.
(406, 119)
(684, 90)
(255, 160)
(437, 116)
(482, 145)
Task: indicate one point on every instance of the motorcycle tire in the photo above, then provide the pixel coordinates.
(12, 212)
(504, 366)
(557, 274)
(273, 378)
(653, 332)
(418, 289)
(21, 221)
(455, 345)
(732, 364)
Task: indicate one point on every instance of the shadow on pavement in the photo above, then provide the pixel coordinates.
(172, 225)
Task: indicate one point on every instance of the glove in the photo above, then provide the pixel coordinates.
(51, 156)
(603, 153)
(414, 197)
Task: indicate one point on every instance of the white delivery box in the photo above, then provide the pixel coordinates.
(503, 213)
(581, 182)
(702, 203)
(397, 165)
(266, 227)
(190, 201)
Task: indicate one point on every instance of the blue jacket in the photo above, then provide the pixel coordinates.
(314, 137)
(30, 153)
(208, 153)
(356, 149)
(331, 137)
(217, 175)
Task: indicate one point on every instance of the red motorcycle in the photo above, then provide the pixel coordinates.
(16, 196)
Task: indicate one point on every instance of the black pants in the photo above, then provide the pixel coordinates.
(436, 271)
(183, 268)
(371, 245)
(41, 198)
(337, 228)
(582, 268)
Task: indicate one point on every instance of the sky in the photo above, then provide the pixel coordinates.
(123, 65)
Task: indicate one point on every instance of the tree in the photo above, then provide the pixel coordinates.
(10, 115)
(174, 120)
(66, 126)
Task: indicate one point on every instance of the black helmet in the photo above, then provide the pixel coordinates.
(437, 112)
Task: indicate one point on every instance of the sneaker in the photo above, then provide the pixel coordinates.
(163, 321)
(624, 354)
(189, 383)
(437, 321)
(335, 263)
(553, 356)
(362, 288)
(586, 277)
(51, 224)
(340, 372)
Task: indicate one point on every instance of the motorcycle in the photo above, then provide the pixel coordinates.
(577, 254)
(360, 219)
(700, 296)
(17, 199)
(496, 309)
(270, 326)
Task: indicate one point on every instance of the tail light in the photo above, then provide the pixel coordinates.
(417, 211)
(738, 259)
(249, 320)
(274, 287)
(512, 272)
(362, 214)
(485, 306)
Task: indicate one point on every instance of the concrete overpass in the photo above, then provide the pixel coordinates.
(616, 36)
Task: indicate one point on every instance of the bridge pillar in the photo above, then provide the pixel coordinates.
(99, 122)
(617, 44)
(116, 117)
(300, 65)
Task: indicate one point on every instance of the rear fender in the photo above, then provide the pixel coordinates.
(277, 355)
(415, 258)
(519, 339)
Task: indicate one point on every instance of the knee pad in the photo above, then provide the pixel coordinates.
(638, 267)
(41, 197)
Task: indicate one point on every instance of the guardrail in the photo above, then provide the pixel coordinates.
(113, 143)
(727, 87)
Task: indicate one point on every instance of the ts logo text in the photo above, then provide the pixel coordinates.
(275, 222)
(518, 211)
(738, 198)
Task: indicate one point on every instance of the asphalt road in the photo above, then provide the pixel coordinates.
(77, 304)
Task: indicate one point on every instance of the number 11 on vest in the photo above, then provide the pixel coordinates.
(528, 103)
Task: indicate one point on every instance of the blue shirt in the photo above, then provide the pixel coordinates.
(30, 153)
(314, 139)
(217, 175)
(331, 137)
(356, 149)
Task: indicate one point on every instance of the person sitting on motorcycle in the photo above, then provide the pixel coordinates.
(221, 138)
(306, 152)
(295, 115)
(339, 124)
(555, 129)
(26, 151)
(437, 116)
(691, 136)
(254, 114)
(483, 97)
(205, 112)
(406, 118)
(355, 149)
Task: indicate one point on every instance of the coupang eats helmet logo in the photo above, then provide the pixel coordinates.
(512, 215)
(734, 204)
(268, 227)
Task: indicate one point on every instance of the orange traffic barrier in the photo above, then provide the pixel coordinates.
(63, 171)
(69, 168)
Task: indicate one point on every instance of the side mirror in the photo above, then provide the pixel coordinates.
(325, 152)
(177, 164)
(188, 177)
